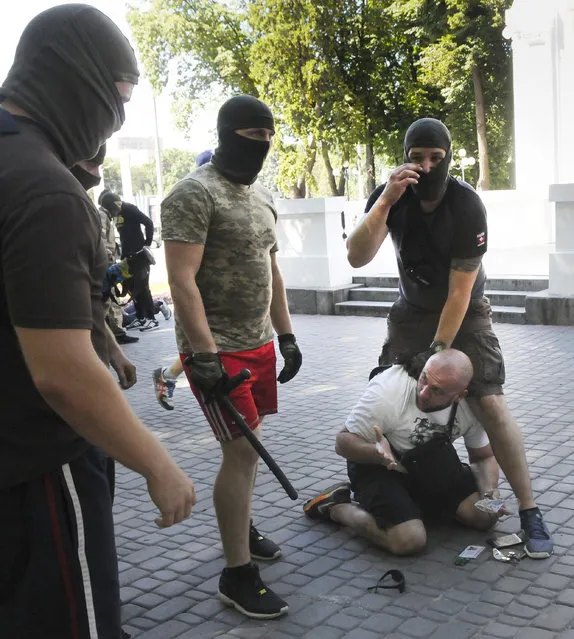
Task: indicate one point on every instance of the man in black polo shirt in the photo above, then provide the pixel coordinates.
(63, 97)
(438, 227)
(129, 222)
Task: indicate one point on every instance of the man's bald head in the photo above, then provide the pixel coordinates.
(444, 380)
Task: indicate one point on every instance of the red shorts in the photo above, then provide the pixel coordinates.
(256, 397)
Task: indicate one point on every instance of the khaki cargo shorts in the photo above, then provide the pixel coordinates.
(411, 330)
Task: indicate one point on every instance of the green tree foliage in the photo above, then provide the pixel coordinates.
(338, 73)
(465, 56)
(112, 175)
(176, 164)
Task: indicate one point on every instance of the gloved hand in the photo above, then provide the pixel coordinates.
(291, 355)
(415, 366)
(205, 371)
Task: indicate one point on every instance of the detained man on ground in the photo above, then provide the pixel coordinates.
(401, 464)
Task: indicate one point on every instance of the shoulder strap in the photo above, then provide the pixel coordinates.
(451, 417)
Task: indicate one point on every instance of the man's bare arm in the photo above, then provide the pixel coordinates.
(76, 384)
(183, 261)
(463, 274)
(280, 316)
(354, 448)
(365, 241)
(485, 469)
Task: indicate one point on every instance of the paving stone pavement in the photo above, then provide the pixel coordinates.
(169, 577)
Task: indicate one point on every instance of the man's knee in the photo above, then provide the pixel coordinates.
(467, 514)
(408, 538)
(239, 451)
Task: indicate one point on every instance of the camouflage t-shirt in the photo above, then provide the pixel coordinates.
(236, 225)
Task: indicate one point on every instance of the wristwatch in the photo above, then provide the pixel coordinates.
(436, 347)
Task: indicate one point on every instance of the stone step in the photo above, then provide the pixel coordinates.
(511, 283)
(389, 294)
(371, 308)
(373, 294)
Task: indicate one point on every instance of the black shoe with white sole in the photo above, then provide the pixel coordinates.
(243, 589)
(262, 547)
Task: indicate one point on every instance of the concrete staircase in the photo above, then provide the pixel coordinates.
(374, 296)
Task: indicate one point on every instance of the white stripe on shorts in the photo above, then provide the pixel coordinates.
(83, 560)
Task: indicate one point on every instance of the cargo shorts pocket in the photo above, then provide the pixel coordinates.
(485, 353)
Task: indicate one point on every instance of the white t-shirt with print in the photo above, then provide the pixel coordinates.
(389, 402)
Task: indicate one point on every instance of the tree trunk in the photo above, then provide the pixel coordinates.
(327, 160)
(483, 183)
(370, 162)
(299, 190)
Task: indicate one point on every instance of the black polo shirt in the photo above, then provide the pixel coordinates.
(52, 265)
(425, 243)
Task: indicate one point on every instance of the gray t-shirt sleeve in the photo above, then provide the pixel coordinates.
(186, 213)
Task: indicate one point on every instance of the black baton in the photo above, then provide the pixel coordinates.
(221, 396)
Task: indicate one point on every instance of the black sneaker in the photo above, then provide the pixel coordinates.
(319, 507)
(126, 339)
(243, 589)
(261, 547)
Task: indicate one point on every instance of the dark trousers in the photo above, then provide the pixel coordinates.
(138, 286)
(58, 563)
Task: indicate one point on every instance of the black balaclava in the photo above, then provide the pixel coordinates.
(108, 200)
(63, 75)
(429, 133)
(239, 158)
(85, 178)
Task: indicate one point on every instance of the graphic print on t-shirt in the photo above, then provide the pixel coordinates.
(425, 430)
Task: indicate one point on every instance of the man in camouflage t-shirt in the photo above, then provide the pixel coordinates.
(219, 230)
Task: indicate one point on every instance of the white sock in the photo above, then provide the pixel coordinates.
(167, 374)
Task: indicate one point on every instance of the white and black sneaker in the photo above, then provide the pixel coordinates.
(149, 325)
(243, 589)
(136, 323)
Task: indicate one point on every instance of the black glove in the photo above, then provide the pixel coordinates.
(205, 371)
(415, 366)
(291, 355)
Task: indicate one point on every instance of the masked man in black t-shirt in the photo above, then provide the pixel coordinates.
(60, 407)
(438, 227)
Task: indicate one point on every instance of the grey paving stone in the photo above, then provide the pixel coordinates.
(418, 627)
(502, 630)
(170, 608)
(361, 633)
(552, 582)
(323, 633)
(315, 614)
(166, 630)
(511, 584)
(454, 630)
(182, 562)
(520, 610)
(536, 633)
(382, 623)
(343, 621)
(555, 617)
(566, 597)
